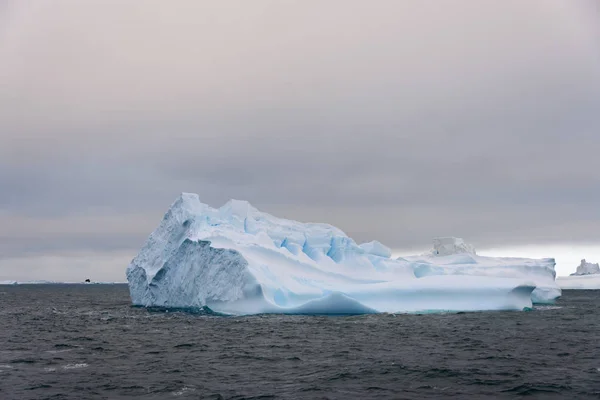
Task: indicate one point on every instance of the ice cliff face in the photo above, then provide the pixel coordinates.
(586, 268)
(239, 260)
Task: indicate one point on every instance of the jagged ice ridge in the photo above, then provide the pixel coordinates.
(586, 268)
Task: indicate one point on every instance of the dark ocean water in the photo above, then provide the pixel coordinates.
(87, 342)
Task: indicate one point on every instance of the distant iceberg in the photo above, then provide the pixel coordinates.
(586, 268)
(448, 246)
(238, 260)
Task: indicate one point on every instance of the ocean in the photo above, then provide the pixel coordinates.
(88, 342)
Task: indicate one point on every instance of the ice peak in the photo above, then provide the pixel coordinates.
(185, 204)
(241, 208)
(586, 268)
(186, 195)
(376, 248)
(185, 199)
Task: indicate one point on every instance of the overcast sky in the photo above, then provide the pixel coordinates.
(393, 120)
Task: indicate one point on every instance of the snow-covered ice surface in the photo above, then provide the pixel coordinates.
(465, 262)
(238, 260)
(587, 276)
(579, 281)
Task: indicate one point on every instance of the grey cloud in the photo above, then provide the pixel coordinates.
(21, 235)
(399, 121)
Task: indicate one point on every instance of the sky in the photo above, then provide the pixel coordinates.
(393, 120)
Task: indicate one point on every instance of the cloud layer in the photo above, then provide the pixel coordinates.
(396, 120)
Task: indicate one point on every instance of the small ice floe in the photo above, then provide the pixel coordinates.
(184, 390)
(75, 366)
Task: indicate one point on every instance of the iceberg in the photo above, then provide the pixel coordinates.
(239, 260)
(586, 268)
(587, 276)
(447, 246)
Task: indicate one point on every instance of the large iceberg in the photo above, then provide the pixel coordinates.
(238, 260)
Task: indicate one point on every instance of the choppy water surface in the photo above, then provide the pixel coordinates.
(86, 342)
